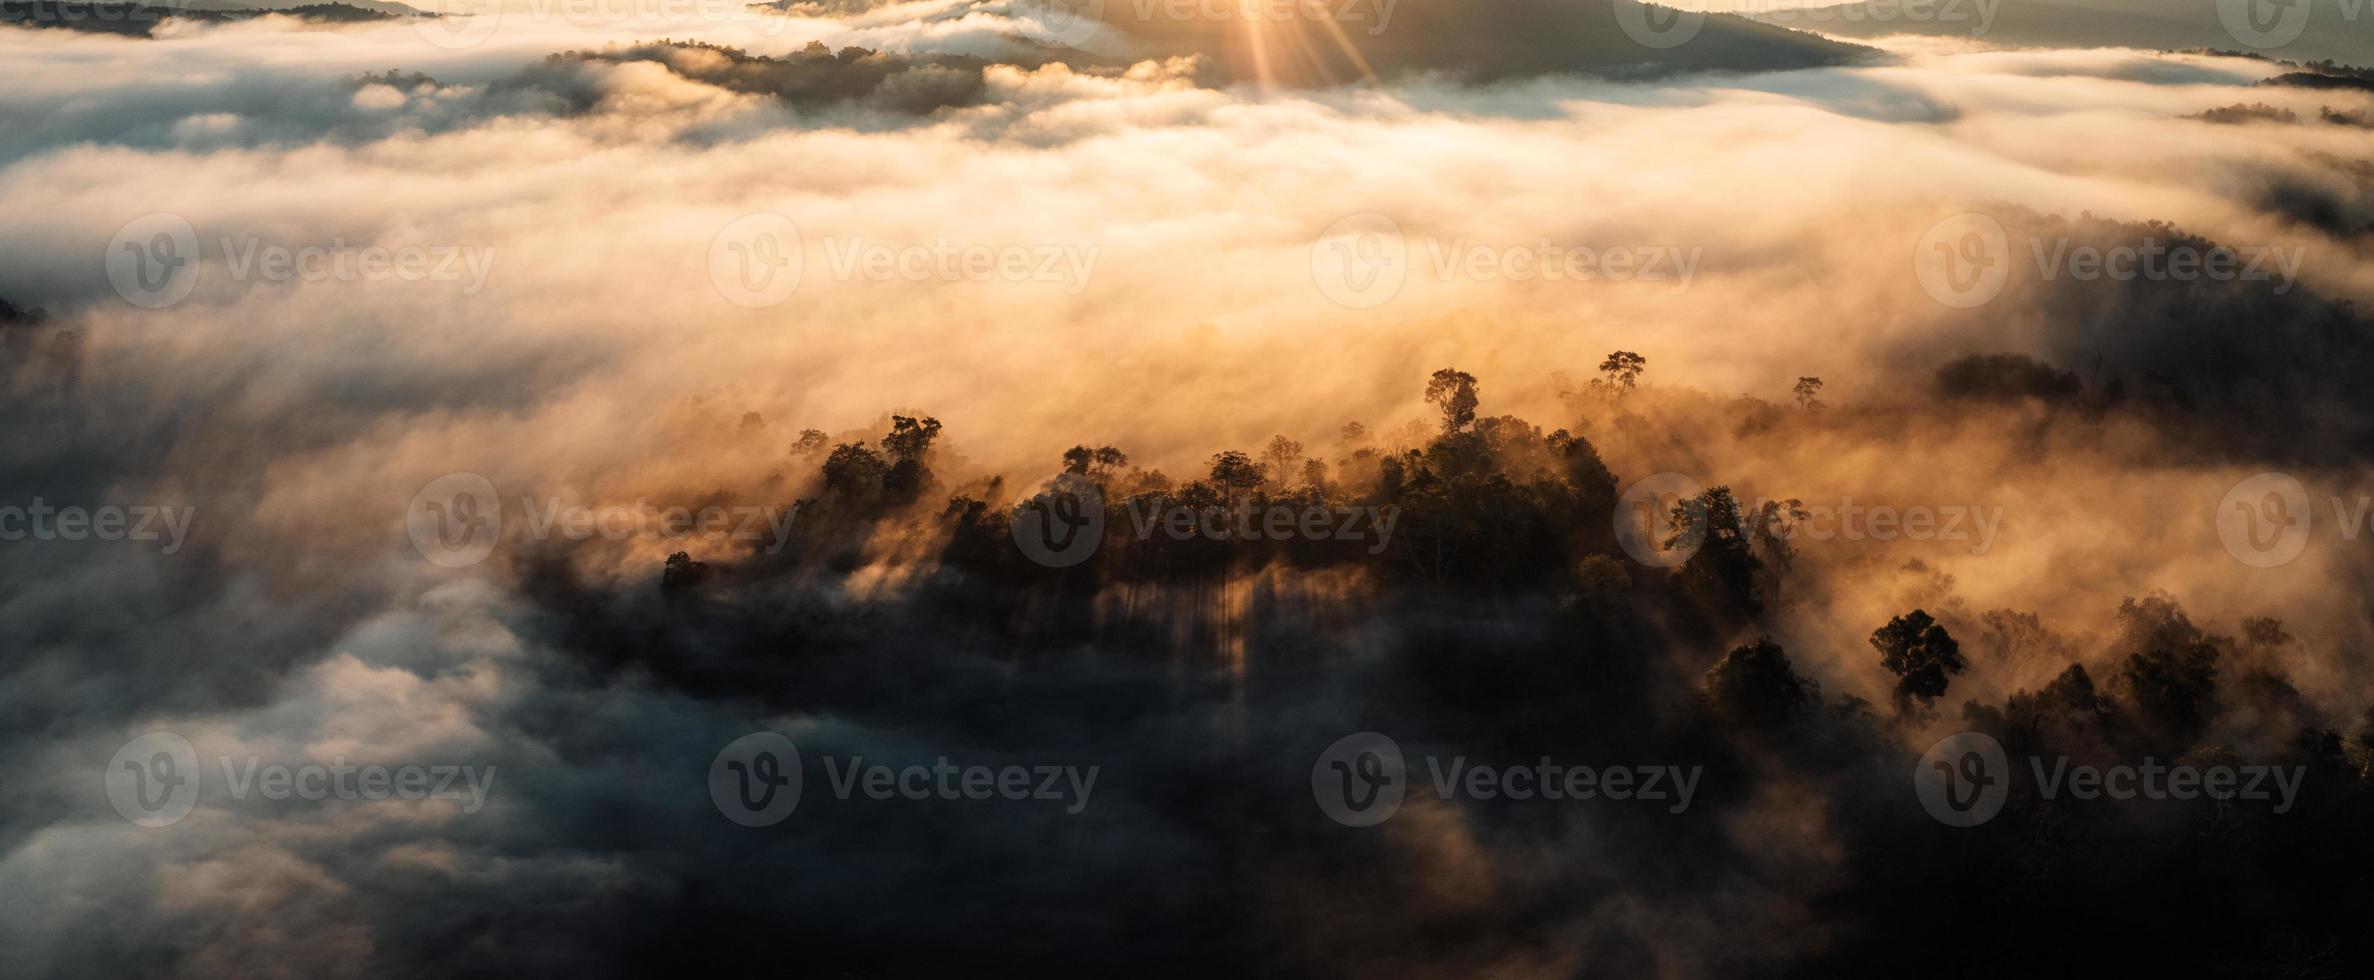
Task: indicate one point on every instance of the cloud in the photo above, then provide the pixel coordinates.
(1169, 220)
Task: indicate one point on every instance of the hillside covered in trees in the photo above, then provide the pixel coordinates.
(1471, 586)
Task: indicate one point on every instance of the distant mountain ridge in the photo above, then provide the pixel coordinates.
(1496, 39)
(138, 19)
(2330, 33)
(388, 7)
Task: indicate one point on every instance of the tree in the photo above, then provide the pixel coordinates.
(1598, 574)
(1770, 526)
(909, 438)
(810, 442)
(854, 471)
(908, 441)
(1392, 476)
(2361, 747)
(1719, 578)
(681, 576)
(1281, 457)
(1235, 473)
(1454, 392)
(1755, 686)
(1623, 370)
(1806, 389)
(1585, 471)
(1352, 434)
(2171, 677)
(1922, 655)
(1096, 464)
(1109, 460)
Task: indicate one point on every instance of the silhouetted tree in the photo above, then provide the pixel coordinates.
(1454, 392)
(910, 438)
(1623, 369)
(681, 576)
(1314, 473)
(1281, 457)
(1922, 655)
(1392, 476)
(1755, 687)
(1806, 389)
(810, 442)
(2361, 747)
(1234, 473)
(1098, 464)
(854, 472)
(1719, 579)
(2171, 677)
(1598, 574)
(908, 441)
(1108, 460)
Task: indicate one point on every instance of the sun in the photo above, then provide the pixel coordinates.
(1291, 40)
